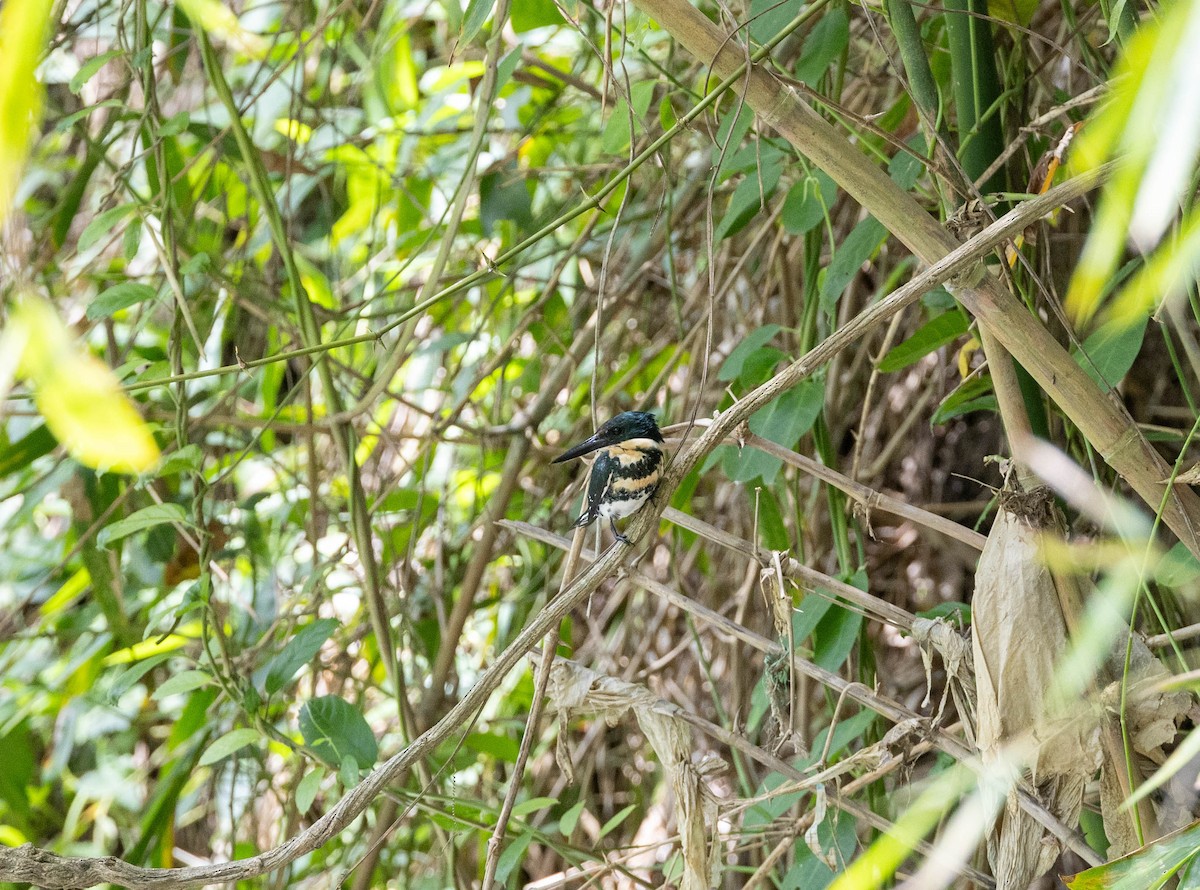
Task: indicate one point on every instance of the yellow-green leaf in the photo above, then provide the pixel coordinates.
(23, 26)
(78, 395)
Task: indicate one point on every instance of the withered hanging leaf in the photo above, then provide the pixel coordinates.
(576, 689)
(1018, 634)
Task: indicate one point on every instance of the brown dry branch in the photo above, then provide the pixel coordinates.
(28, 863)
(1100, 418)
(541, 682)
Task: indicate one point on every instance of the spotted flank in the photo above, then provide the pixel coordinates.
(626, 471)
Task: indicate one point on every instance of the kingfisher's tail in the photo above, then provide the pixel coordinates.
(586, 518)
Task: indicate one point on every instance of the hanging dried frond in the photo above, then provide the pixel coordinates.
(574, 689)
(1018, 635)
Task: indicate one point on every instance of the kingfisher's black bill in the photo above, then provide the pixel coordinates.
(587, 446)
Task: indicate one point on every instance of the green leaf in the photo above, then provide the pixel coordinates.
(26, 450)
(1145, 869)
(731, 368)
(511, 857)
(187, 459)
(229, 743)
(180, 683)
(570, 819)
(772, 531)
(299, 651)
(905, 168)
(533, 805)
(752, 193)
(835, 636)
(934, 334)
(1108, 354)
(89, 68)
(119, 296)
(769, 17)
(337, 732)
(860, 245)
(808, 202)
(306, 791)
(128, 677)
(617, 134)
(973, 394)
(147, 517)
(783, 422)
(808, 614)
(477, 13)
(104, 225)
(617, 820)
(502, 747)
(504, 194)
(529, 14)
(826, 42)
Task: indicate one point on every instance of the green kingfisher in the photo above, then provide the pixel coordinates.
(626, 469)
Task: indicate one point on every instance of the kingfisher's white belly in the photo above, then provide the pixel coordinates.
(621, 509)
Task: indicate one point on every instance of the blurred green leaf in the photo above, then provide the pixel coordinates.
(299, 651)
(826, 42)
(1109, 353)
(336, 732)
(731, 368)
(529, 14)
(973, 394)
(808, 202)
(570, 819)
(533, 805)
(476, 14)
(306, 791)
(860, 245)
(616, 820)
(1148, 868)
(77, 394)
(119, 296)
(504, 748)
(181, 683)
(140, 520)
(24, 25)
(230, 743)
(512, 855)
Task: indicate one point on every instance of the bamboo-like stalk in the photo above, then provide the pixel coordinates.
(1101, 418)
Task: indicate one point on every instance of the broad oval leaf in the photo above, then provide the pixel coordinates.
(336, 732)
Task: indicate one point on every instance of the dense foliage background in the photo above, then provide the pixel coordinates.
(365, 268)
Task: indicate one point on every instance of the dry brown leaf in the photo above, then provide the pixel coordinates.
(576, 689)
(1018, 635)
(1187, 477)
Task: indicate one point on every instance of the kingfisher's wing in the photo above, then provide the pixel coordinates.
(598, 485)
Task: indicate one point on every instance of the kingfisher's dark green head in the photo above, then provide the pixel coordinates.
(625, 427)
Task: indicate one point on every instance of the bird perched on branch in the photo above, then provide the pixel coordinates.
(626, 469)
